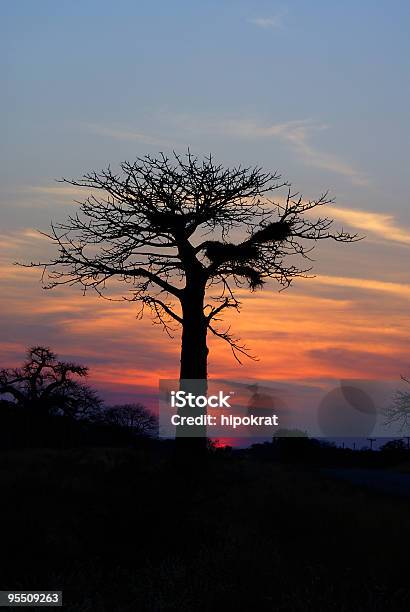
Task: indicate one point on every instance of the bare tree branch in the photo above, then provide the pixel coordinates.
(175, 228)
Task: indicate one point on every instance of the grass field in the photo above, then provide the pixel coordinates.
(123, 530)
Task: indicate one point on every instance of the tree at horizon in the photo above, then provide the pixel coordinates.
(46, 385)
(183, 235)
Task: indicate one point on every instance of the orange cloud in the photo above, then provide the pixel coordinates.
(325, 327)
(382, 225)
(399, 289)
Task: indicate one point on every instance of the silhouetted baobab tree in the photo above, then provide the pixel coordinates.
(183, 234)
(47, 386)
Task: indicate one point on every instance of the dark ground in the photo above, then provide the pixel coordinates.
(120, 530)
(386, 481)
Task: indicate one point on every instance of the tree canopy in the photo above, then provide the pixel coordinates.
(46, 384)
(184, 234)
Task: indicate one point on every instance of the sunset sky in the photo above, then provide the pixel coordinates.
(318, 91)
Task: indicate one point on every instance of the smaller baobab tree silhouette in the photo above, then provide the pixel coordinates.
(46, 386)
(183, 235)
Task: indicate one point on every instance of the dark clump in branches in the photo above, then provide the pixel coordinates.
(150, 224)
(241, 255)
(273, 232)
(222, 252)
(252, 277)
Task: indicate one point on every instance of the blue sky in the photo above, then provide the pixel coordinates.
(92, 82)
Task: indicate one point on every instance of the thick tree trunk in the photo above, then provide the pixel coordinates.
(194, 351)
(191, 440)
